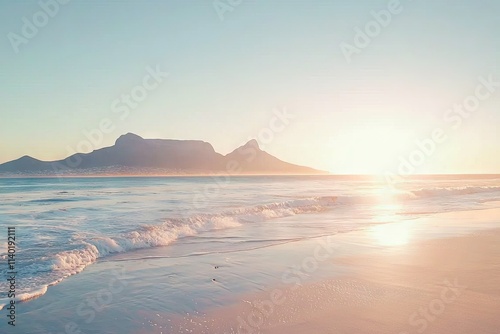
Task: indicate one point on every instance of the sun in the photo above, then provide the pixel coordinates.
(367, 149)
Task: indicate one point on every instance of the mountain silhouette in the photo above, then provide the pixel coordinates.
(135, 155)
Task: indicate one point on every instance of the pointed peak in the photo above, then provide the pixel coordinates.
(252, 143)
(27, 157)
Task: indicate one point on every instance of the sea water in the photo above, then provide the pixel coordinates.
(64, 225)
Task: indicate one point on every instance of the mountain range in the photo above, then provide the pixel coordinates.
(134, 155)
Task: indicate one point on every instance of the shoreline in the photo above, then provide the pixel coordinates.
(215, 174)
(354, 176)
(443, 285)
(364, 282)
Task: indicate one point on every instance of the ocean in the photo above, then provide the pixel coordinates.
(66, 225)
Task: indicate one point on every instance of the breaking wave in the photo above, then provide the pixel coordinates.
(68, 263)
(451, 191)
(89, 248)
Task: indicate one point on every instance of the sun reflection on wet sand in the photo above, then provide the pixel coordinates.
(394, 231)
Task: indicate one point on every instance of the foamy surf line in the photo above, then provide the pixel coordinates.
(443, 191)
(92, 248)
(24, 297)
(69, 263)
(281, 243)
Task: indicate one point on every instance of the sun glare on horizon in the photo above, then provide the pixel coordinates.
(368, 149)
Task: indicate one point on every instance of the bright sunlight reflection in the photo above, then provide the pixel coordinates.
(394, 231)
(396, 234)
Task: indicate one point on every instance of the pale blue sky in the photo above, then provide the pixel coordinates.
(227, 76)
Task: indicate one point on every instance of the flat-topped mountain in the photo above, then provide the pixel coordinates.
(135, 155)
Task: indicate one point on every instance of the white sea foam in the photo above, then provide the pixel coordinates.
(91, 247)
(450, 191)
(31, 295)
(73, 262)
(23, 297)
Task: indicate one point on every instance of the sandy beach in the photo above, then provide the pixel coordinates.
(449, 285)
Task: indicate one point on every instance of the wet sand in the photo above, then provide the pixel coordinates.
(438, 274)
(446, 285)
